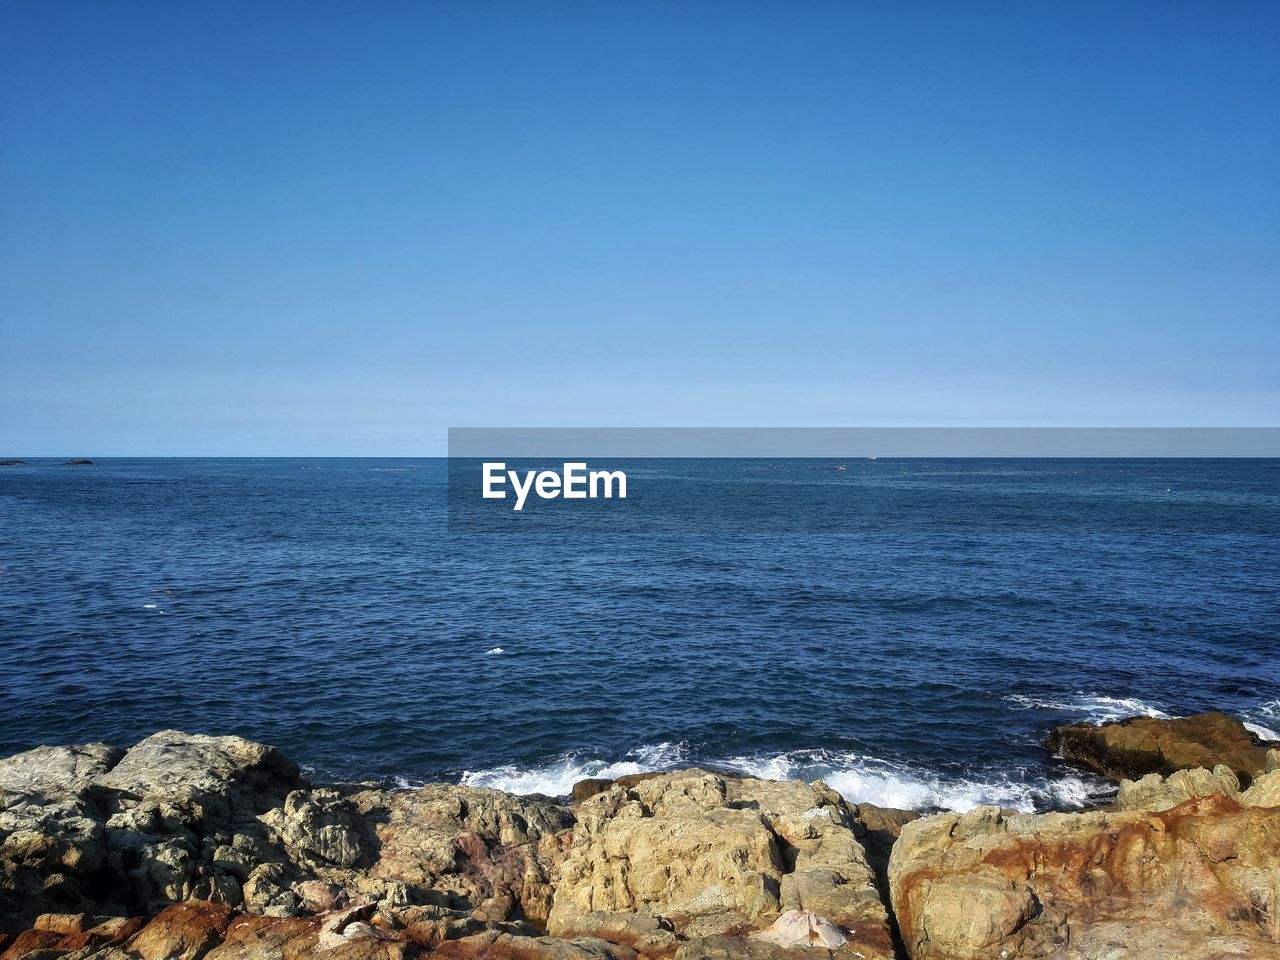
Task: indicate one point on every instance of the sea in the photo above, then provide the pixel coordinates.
(327, 606)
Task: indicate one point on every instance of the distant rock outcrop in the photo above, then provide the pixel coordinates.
(1138, 746)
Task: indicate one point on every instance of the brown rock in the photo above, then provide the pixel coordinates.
(30, 941)
(493, 945)
(640, 931)
(1132, 748)
(63, 923)
(743, 948)
(878, 828)
(186, 931)
(588, 788)
(1198, 882)
(267, 938)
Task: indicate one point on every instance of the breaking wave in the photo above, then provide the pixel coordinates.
(556, 779)
(865, 779)
(1100, 709)
(858, 778)
(1093, 707)
(1264, 715)
(1261, 732)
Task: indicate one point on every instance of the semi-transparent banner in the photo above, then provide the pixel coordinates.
(1223, 481)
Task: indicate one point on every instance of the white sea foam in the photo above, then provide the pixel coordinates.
(1099, 709)
(1093, 707)
(1261, 732)
(858, 778)
(556, 779)
(864, 779)
(1269, 712)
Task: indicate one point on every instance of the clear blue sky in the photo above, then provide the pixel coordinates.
(322, 228)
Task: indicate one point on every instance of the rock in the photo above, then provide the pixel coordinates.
(1132, 748)
(318, 828)
(63, 923)
(1154, 793)
(691, 864)
(589, 787)
(57, 771)
(641, 931)
(585, 789)
(1196, 882)
(85, 828)
(494, 945)
(39, 943)
(320, 897)
(1264, 791)
(220, 777)
(186, 931)
(53, 858)
(340, 928)
(802, 928)
(466, 844)
(267, 938)
(881, 823)
(12, 463)
(744, 948)
(79, 462)
(877, 829)
(712, 855)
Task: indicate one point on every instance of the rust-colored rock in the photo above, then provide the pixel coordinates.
(1198, 882)
(30, 941)
(69, 933)
(1132, 748)
(493, 945)
(185, 931)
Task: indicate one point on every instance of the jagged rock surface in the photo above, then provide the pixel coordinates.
(233, 856)
(1200, 881)
(236, 857)
(711, 855)
(179, 817)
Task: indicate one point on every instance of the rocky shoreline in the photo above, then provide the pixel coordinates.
(188, 846)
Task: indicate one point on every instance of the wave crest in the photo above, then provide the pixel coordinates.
(856, 777)
(556, 779)
(1093, 707)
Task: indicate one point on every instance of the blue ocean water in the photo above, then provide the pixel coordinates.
(323, 606)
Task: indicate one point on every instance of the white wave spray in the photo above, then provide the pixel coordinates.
(1093, 707)
(857, 777)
